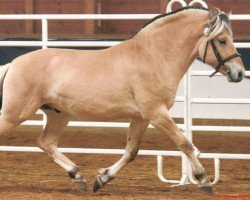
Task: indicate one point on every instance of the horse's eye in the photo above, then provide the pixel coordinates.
(223, 42)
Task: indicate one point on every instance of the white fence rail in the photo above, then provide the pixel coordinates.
(187, 98)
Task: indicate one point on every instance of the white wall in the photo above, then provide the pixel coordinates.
(216, 87)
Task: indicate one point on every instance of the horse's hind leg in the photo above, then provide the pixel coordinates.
(134, 136)
(48, 140)
(15, 111)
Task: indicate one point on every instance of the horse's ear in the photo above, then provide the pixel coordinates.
(213, 13)
(229, 14)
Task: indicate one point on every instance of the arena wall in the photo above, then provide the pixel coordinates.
(99, 28)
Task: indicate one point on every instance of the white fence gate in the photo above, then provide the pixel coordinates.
(187, 99)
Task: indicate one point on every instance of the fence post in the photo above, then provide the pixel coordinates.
(44, 32)
(187, 124)
(44, 46)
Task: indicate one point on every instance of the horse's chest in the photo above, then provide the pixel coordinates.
(170, 99)
(168, 95)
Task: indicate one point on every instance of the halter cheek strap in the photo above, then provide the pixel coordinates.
(221, 62)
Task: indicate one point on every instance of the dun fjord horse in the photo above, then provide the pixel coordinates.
(136, 79)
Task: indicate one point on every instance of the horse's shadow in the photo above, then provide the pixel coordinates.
(106, 191)
(113, 190)
(40, 189)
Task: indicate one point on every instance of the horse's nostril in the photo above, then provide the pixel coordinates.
(240, 74)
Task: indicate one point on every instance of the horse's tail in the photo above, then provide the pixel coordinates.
(3, 72)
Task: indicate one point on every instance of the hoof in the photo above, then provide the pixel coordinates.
(81, 184)
(97, 184)
(102, 179)
(208, 189)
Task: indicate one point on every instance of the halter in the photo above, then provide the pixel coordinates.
(221, 62)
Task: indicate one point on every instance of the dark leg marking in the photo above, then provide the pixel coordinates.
(133, 155)
(102, 180)
(72, 174)
(78, 178)
(204, 184)
(199, 176)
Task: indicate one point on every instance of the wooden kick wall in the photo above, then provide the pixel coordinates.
(99, 28)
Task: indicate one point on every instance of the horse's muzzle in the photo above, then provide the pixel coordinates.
(235, 73)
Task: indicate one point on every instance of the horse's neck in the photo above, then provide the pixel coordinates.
(174, 43)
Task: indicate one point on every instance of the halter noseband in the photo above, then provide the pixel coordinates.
(221, 62)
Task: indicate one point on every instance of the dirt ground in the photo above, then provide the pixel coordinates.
(36, 176)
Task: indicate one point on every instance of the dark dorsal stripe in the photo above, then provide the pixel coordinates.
(167, 14)
(173, 12)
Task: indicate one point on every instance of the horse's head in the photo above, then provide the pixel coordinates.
(217, 48)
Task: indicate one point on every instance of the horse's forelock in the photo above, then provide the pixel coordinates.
(218, 21)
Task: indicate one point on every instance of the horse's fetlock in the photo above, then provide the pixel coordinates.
(106, 171)
(75, 173)
(109, 173)
(199, 174)
(71, 174)
(102, 170)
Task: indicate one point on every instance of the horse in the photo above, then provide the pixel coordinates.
(136, 79)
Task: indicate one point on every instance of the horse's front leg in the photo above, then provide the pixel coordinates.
(164, 123)
(134, 136)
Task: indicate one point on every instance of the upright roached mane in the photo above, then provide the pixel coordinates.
(172, 13)
(137, 79)
(218, 20)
